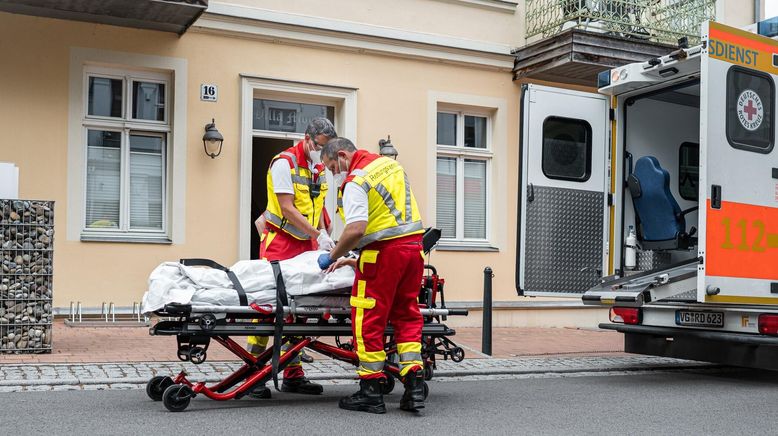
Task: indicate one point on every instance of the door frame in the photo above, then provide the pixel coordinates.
(524, 168)
(343, 98)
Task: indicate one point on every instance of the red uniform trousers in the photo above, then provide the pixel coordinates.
(386, 288)
(280, 246)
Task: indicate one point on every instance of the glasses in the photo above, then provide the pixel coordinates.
(316, 144)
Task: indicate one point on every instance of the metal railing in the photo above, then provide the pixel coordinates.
(662, 21)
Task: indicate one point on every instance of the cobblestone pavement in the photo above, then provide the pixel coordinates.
(93, 376)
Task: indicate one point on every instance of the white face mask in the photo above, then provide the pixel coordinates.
(315, 156)
(340, 177)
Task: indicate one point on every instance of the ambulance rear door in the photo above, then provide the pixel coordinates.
(738, 235)
(563, 239)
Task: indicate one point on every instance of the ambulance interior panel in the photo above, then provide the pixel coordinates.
(664, 126)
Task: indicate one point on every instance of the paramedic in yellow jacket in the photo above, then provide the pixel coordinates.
(296, 188)
(383, 221)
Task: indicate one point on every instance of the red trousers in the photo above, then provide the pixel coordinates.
(277, 245)
(386, 288)
(280, 246)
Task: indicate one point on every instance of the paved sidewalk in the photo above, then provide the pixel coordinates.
(16, 378)
(134, 344)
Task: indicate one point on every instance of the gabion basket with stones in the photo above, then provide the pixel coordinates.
(27, 254)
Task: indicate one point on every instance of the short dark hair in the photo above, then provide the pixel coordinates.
(321, 126)
(334, 145)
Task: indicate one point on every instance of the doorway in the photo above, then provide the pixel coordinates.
(262, 152)
(274, 115)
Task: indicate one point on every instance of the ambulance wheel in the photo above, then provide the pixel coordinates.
(426, 388)
(388, 385)
(428, 372)
(176, 397)
(156, 387)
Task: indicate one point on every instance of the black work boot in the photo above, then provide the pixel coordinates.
(260, 392)
(301, 386)
(413, 398)
(369, 398)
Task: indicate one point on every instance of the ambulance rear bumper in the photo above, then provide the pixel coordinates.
(727, 348)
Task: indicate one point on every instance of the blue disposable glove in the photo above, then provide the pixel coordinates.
(325, 261)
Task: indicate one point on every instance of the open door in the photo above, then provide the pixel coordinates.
(563, 236)
(738, 240)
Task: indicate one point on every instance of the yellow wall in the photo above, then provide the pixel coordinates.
(442, 17)
(392, 98)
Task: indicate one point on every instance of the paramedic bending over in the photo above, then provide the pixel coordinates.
(296, 189)
(383, 220)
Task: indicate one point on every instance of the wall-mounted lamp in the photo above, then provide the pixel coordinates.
(212, 140)
(386, 148)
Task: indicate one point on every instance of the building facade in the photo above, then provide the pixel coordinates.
(106, 118)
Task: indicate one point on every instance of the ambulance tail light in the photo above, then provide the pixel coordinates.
(626, 315)
(768, 324)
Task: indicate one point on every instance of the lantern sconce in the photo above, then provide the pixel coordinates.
(212, 140)
(386, 148)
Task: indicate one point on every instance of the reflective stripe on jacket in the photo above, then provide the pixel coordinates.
(392, 208)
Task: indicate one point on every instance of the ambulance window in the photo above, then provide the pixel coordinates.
(567, 149)
(689, 171)
(750, 106)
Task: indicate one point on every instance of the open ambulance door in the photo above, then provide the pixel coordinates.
(562, 229)
(738, 238)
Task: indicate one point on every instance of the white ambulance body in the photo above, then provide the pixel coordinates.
(680, 150)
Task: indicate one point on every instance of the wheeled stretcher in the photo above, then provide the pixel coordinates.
(300, 321)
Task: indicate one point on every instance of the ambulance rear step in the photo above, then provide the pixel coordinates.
(639, 289)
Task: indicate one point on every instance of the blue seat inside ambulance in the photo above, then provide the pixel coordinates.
(660, 221)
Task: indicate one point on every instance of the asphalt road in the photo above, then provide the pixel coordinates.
(722, 401)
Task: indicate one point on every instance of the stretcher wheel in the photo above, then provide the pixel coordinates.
(457, 354)
(426, 388)
(388, 386)
(176, 397)
(156, 387)
(428, 371)
(197, 355)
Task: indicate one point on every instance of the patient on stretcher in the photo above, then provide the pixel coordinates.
(172, 282)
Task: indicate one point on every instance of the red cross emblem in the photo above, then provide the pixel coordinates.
(750, 109)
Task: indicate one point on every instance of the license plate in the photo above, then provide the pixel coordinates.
(698, 318)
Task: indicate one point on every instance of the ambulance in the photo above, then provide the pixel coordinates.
(658, 198)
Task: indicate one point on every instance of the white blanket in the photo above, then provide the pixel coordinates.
(172, 282)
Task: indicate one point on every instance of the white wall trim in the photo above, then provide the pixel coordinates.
(364, 38)
(345, 100)
(494, 5)
(79, 58)
(498, 107)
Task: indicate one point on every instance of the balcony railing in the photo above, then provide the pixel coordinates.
(662, 21)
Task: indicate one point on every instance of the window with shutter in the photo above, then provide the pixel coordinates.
(463, 160)
(127, 128)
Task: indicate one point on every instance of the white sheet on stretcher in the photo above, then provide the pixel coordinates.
(172, 282)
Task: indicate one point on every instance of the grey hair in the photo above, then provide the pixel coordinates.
(334, 145)
(321, 126)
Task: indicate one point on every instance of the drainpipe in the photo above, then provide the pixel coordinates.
(757, 11)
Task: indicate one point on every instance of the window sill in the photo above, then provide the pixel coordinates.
(463, 246)
(128, 239)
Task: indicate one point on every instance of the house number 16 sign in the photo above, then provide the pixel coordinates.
(209, 92)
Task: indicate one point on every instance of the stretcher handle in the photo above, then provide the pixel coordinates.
(457, 312)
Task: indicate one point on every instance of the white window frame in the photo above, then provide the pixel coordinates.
(461, 153)
(127, 125)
